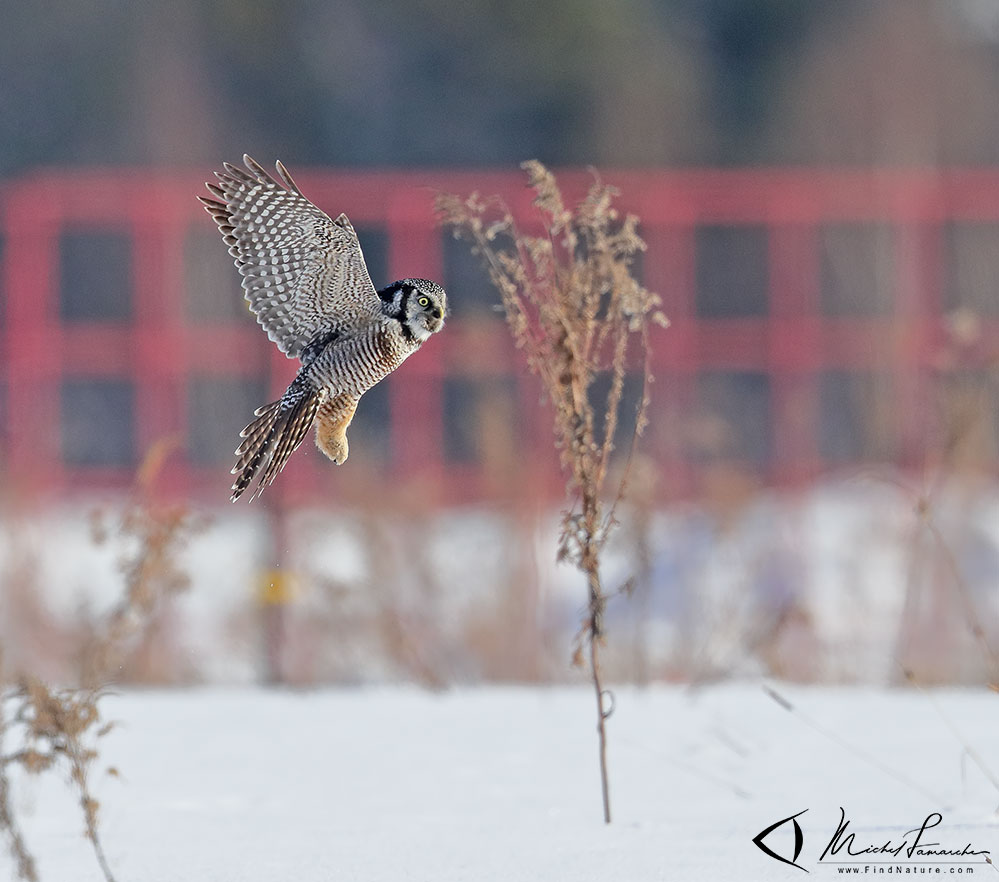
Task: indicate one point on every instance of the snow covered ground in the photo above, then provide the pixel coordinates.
(501, 784)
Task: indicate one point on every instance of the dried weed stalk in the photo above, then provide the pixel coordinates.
(60, 728)
(152, 574)
(8, 822)
(967, 368)
(574, 308)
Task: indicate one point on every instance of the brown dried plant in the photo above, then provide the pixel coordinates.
(575, 309)
(60, 727)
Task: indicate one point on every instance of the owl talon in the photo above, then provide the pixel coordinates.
(336, 450)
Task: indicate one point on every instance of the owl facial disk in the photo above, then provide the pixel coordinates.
(419, 304)
(427, 320)
(430, 313)
(426, 310)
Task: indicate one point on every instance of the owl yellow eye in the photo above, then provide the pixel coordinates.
(424, 301)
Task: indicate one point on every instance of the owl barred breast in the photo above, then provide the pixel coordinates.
(305, 280)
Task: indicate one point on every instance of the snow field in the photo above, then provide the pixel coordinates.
(501, 783)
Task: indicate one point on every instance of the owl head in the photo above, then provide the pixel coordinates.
(421, 306)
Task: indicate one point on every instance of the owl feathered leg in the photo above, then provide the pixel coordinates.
(331, 426)
(273, 436)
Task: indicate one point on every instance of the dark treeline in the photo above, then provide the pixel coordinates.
(433, 82)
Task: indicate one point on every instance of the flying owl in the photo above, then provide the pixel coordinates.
(305, 280)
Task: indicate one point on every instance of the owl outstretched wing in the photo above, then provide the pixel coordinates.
(303, 274)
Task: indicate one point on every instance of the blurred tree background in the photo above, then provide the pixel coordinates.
(386, 83)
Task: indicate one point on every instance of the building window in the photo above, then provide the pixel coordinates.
(3, 298)
(95, 276)
(732, 272)
(211, 282)
(855, 417)
(217, 410)
(98, 422)
(369, 432)
(737, 404)
(480, 422)
(374, 246)
(463, 272)
(627, 411)
(857, 270)
(972, 267)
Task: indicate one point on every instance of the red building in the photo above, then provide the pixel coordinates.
(817, 317)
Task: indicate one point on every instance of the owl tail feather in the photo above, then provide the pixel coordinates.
(272, 437)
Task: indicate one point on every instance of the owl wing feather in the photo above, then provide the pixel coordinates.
(303, 274)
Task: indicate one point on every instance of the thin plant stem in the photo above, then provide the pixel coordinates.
(601, 711)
